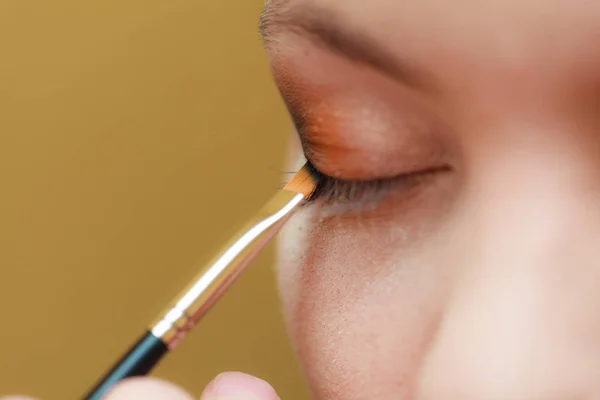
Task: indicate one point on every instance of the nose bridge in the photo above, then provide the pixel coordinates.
(521, 322)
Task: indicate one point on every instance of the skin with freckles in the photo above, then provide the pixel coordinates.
(452, 249)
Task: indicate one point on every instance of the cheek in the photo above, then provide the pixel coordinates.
(361, 303)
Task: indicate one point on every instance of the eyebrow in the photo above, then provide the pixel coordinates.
(327, 29)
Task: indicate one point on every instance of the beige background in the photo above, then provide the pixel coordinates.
(135, 136)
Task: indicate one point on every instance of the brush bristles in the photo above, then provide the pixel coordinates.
(304, 182)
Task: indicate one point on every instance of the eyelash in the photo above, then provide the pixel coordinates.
(331, 190)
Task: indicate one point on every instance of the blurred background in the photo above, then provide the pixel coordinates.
(130, 132)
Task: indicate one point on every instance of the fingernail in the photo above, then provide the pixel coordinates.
(238, 386)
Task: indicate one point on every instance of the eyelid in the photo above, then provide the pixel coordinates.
(333, 191)
(338, 134)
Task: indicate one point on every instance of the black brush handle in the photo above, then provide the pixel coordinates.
(142, 357)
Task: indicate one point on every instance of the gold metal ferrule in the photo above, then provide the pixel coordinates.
(218, 275)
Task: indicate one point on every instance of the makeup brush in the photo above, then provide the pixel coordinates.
(214, 279)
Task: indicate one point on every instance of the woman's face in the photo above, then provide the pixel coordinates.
(453, 250)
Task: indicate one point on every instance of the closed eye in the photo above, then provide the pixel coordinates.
(369, 192)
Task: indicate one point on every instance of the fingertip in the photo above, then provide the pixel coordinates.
(17, 398)
(147, 389)
(237, 385)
